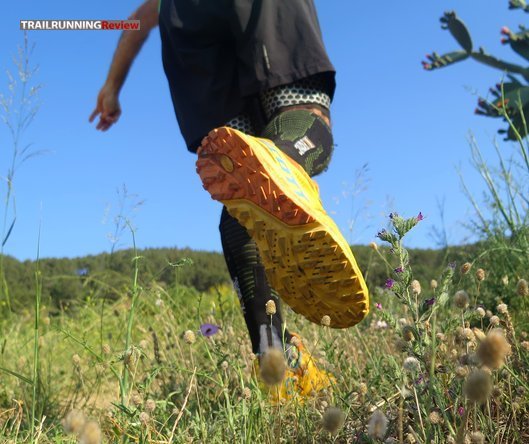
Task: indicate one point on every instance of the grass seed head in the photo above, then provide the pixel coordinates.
(461, 299)
(373, 246)
(272, 366)
(74, 422)
(478, 386)
(189, 337)
(494, 349)
(270, 307)
(333, 420)
(377, 425)
(91, 434)
(106, 349)
(522, 288)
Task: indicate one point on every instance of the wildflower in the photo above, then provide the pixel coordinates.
(420, 217)
(373, 246)
(76, 360)
(465, 268)
(378, 305)
(481, 312)
(466, 334)
(411, 364)
(461, 410)
(461, 299)
(496, 392)
(389, 283)
(333, 420)
(522, 288)
(106, 349)
(246, 393)
(494, 320)
(270, 307)
(272, 366)
(208, 330)
(159, 303)
(91, 434)
(224, 365)
(462, 371)
(433, 284)
(435, 417)
(399, 270)
(502, 308)
(189, 337)
(381, 324)
(429, 302)
(144, 418)
(326, 321)
(478, 386)
(410, 438)
(150, 405)
(377, 425)
(74, 422)
(408, 333)
(477, 438)
(440, 337)
(525, 345)
(403, 322)
(494, 349)
(416, 287)
(480, 274)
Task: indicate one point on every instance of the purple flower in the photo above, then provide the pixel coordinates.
(399, 270)
(420, 217)
(382, 234)
(378, 305)
(430, 302)
(461, 411)
(208, 330)
(393, 215)
(389, 283)
(452, 265)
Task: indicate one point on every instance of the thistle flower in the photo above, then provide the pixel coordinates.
(416, 287)
(74, 422)
(494, 349)
(477, 438)
(270, 307)
(478, 386)
(461, 299)
(433, 284)
(494, 320)
(272, 366)
(377, 425)
(522, 288)
(389, 283)
(189, 337)
(91, 433)
(480, 274)
(465, 268)
(333, 420)
(481, 312)
(411, 364)
(150, 405)
(502, 308)
(326, 321)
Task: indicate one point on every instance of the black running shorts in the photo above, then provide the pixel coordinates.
(218, 55)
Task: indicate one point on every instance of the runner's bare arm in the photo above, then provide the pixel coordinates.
(130, 43)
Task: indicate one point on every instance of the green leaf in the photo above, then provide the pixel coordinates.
(17, 375)
(458, 30)
(9, 232)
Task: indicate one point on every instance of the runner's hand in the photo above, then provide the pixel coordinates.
(107, 108)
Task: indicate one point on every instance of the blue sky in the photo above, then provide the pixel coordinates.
(407, 125)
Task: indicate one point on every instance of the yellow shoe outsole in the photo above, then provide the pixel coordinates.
(307, 260)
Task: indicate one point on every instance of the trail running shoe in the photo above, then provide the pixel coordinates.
(306, 258)
(302, 379)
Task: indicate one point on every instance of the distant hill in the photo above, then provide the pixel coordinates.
(68, 281)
